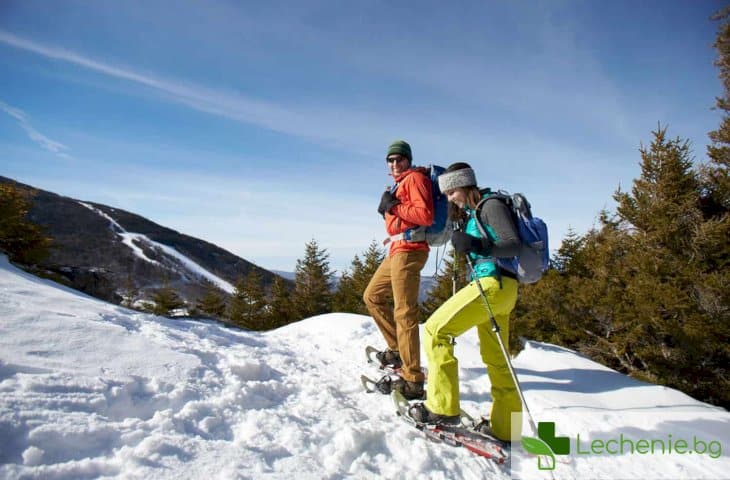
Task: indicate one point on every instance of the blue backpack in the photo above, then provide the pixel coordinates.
(439, 232)
(534, 257)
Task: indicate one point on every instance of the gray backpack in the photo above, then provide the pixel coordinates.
(534, 256)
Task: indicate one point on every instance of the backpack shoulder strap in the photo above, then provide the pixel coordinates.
(498, 195)
(501, 195)
(476, 213)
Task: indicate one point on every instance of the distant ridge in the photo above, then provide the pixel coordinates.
(108, 252)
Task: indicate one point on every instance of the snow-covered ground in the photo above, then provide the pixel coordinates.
(89, 389)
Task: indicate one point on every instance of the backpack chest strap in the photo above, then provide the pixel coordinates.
(417, 234)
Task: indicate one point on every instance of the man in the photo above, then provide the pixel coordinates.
(404, 207)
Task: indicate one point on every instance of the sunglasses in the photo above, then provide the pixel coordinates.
(395, 159)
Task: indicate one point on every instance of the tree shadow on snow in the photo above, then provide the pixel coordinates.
(578, 380)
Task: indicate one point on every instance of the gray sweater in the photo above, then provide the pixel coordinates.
(497, 215)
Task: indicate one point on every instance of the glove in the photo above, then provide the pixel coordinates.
(465, 243)
(387, 201)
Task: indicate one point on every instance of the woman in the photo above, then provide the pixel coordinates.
(466, 309)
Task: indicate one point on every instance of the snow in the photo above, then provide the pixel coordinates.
(132, 240)
(193, 267)
(89, 390)
(129, 240)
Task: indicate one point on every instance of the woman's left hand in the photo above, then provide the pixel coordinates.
(465, 243)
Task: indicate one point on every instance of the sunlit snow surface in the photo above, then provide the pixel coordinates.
(89, 389)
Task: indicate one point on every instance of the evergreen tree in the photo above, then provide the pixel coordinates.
(312, 282)
(372, 258)
(22, 240)
(662, 205)
(715, 175)
(280, 308)
(647, 293)
(130, 290)
(213, 300)
(348, 297)
(568, 258)
(166, 300)
(655, 333)
(649, 274)
(246, 308)
(712, 240)
(642, 294)
(544, 312)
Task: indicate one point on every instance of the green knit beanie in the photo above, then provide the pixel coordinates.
(400, 147)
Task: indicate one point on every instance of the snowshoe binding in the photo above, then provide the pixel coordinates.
(423, 415)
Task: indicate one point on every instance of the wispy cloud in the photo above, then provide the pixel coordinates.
(43, 141)
(332, 126)
(219, 102)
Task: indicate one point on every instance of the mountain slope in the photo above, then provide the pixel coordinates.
(106, 252)
(89, 389)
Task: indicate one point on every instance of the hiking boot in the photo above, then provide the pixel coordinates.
(484, 427)
(410, 390)
(389, 357)
(421, 414)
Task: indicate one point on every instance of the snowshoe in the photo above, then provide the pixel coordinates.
(389, 358)
(384, 385)
(423, 415)
(483, 427)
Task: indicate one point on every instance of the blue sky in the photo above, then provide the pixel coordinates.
(261, 125)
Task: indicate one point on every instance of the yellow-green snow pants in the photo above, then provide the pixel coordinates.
(458, 314)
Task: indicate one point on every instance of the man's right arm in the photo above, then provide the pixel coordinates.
(419, 208)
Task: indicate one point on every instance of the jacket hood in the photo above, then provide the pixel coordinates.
(403, 175)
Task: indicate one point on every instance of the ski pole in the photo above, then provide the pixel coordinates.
(453, 275)
(496, 330)
(456, 226)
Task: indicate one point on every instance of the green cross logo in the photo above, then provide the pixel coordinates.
(547, 445)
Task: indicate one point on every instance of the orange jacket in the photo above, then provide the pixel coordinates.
(415, 208)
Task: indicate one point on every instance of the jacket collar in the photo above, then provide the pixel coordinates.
(403, 175)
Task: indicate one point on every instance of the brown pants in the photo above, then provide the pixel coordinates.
(399, 276)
